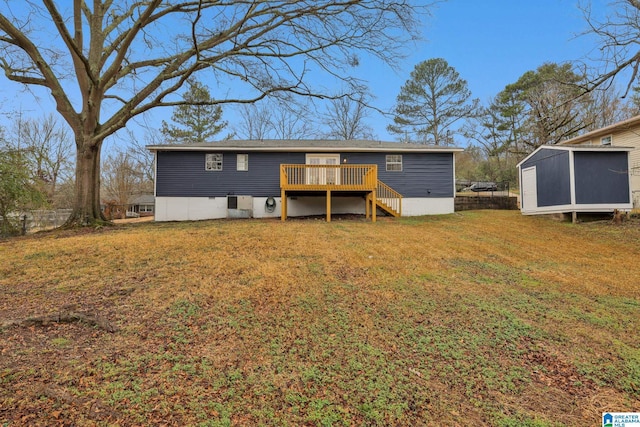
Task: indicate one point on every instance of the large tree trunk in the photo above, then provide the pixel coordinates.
(86, 209)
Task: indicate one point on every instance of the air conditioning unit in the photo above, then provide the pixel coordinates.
(239, 206)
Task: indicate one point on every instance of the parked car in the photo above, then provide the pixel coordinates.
(483, 186)
(462, 184)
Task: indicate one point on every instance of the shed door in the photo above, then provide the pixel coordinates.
(529, 196)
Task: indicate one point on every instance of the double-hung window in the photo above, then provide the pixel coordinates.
(394, 162)
(242, 162)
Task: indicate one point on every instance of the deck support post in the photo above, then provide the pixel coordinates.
(374, 204)
(366, 206)
(328, 205)
(574, 217)
(283, 204)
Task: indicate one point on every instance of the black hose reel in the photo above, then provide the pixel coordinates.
(270, 205)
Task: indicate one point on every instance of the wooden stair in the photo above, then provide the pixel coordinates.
(388, 199)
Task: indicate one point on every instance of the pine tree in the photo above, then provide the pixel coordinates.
(197, 116)
(432, 100)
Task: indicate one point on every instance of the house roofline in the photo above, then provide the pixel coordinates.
(300, 146)
(595, 149)
(623, 125)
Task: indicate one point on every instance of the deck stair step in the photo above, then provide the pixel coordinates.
(388, 199)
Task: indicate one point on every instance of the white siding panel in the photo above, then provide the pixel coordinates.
(631, 138)
(200, 208)
(427, 206)
(190, 208)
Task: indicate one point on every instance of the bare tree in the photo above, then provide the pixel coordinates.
(121, 178)
(603, 107)
(291, 120)
(345, 118)
(255, 121)
(619, 43)
(106, 62)
(142, 159)
(468, 163)
(493, 135)
(488, 130)
(275, 119)
(48, 150)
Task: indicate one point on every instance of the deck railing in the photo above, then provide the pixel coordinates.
(329, 177)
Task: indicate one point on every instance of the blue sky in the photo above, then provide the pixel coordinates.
(491, 43)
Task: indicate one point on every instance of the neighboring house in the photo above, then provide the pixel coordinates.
(312, 177)
(138, 205)
(574, 179)
(622, 134)
(141, 205)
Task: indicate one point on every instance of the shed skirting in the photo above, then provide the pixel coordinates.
(607, 207)
(200, 208)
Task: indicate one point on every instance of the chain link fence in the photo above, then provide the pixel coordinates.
(482, 194)
(43, 219)
(482, 188)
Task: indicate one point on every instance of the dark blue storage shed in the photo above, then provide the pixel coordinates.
(575, 179)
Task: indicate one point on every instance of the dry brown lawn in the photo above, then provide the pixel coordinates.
(480, 318)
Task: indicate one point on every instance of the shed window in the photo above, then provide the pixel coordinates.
(242, 163)
(213, 162)
(394, 162)
(605, 140)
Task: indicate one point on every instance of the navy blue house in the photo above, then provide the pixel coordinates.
(280, 178)
(573, 179)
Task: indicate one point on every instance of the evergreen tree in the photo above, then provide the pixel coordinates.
(434, 98)
(17, 190)
(197, 116)
(544, 106)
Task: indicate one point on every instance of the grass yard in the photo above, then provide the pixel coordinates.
(479, 318)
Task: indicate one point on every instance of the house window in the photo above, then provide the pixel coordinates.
(213, 162)
(242, 163)
(394, 162)
(605, 140)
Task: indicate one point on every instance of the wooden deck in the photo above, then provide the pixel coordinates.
(340, 178)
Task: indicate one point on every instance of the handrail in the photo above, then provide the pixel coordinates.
(328, 177)
(390, 198)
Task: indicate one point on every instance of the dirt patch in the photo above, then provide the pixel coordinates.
(134, 220)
